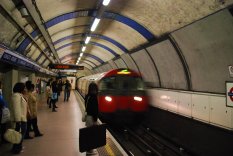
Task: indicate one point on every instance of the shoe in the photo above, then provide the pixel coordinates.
(92, 152)
(17, 151)
(54, 111)
(39, 135)
(56, 107)
(28, 137)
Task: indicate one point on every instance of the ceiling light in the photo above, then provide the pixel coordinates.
(95, 23)
(81, 54)
(83, 49)
(87, 39)
(106, 2)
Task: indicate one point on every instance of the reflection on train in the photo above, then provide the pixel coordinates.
(121, 95)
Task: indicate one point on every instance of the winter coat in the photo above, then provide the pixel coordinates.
(19, 108)
(32, 104)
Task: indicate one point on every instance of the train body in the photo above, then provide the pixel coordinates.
(121, 94)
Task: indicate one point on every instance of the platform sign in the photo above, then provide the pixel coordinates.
(229, 94)
(66, 67)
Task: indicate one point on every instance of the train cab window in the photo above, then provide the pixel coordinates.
(130, 83)
(108, 83)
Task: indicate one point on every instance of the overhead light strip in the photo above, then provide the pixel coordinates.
(106, 2)
(95, 24)
(83, 49)
(87, 40)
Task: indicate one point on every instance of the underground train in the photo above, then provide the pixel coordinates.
(122, 93)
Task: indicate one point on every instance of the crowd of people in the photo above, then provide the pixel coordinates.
(24, 108)
(53, 90)
(23, 113)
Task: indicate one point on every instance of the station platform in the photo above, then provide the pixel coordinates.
(61, 132)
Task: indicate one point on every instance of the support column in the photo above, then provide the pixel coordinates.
(9, 80)
(32, 77)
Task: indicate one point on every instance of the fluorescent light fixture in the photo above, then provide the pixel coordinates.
(87, 39)
(95, 23)
(81, 54)
(106, 2)
(83, 49)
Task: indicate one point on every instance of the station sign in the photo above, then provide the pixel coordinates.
(66, 67)
(229, 94)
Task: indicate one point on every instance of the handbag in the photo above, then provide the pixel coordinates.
(13, 136)
(6, 116)
(84, 117)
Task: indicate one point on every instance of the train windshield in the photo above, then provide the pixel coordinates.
(122, 83)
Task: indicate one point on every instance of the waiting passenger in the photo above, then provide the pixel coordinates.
(54, 96)
(32, 103)
(67, 90)
(20, 106)
(91, 105)
(48, 92)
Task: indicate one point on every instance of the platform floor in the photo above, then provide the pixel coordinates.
(60, 129)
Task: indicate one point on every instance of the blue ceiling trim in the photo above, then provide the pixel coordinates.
(68, 16)
(84, 54)
(88, 63)
(67, 45)
(24, 45)
(96, 36)
(105, 47)
(46, 49)
(67, 37)
(84, 13)
(110, 40)
(131, 23)
(93, 43)
(91, 62)
(39, 57)
(35, 33)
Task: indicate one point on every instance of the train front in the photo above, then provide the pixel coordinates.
(122, 96)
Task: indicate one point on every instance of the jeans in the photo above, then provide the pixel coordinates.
(66, 95)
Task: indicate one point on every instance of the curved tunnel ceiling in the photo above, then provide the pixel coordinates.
(124, 25)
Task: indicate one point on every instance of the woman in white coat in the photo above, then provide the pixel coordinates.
(19, 112)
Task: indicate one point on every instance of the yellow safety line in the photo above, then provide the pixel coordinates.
(109, 150)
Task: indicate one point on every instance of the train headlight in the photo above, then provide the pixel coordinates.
(136, 98)
(108, 98)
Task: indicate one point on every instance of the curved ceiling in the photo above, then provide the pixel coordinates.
(55, 31)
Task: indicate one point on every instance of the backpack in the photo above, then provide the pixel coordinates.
(6, 116)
